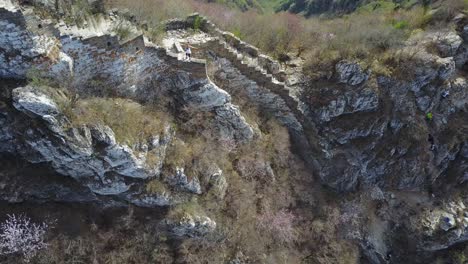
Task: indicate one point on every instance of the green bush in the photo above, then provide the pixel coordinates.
(238, 33)
(197, 23)
(401, 25)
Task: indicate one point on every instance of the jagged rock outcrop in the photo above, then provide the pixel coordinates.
(351, 73)
(358, 124)
(180, 180)
(193, 226)
(448, 44)
(104, 170)
(352, 101)
(89, 154)
(228, 121)
(443, 227)
(217, 183)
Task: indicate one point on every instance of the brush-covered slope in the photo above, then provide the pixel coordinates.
(317, 7)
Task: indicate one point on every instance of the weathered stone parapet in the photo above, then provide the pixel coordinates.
(176, 24)
(196, 21)
(102, 42)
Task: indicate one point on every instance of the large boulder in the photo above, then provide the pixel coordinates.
(31, 101)
(448, 44)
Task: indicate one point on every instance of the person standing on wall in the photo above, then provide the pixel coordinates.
(188, 53)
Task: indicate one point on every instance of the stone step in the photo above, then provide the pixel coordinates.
(252, 70)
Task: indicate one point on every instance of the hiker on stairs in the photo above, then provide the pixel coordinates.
(188, 52)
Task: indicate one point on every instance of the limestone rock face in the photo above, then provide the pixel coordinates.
(205, 96)
(32, 102)
(444, 226)
(180, 180)
(89, 154)
(357, 124)
(448, 44)
(229, 122)
(352, 101)
(351, 73)
(92, 157)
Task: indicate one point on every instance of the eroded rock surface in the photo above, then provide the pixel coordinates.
(90, 154)
(192, 226)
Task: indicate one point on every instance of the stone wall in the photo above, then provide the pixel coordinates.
(99, 64)
(243, 48)
(79, 60)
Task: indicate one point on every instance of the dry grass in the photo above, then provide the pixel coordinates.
(111, 247)
(364, 35)
(131, 122)
(155, 187)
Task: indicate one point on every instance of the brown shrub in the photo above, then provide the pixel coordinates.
(279, 225)
(363, 35)
(131, 122)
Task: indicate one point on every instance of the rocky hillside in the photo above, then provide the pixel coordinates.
(317, 7)
(242, 4)
(131, 152)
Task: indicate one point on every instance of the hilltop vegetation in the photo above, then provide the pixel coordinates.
(371, 34)
(244, 5)
(241, 4)
(317, 7)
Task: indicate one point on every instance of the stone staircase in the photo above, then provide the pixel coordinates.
(249, 67)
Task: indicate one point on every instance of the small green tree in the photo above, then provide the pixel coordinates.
(429, 116)
(197, 23)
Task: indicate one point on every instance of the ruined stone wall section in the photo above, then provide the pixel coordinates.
(80, 61)
(260, 77)
(123, 67)
(20, 48)
(253, 73)
(266, 63)
(99, 64)
(258, 67)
